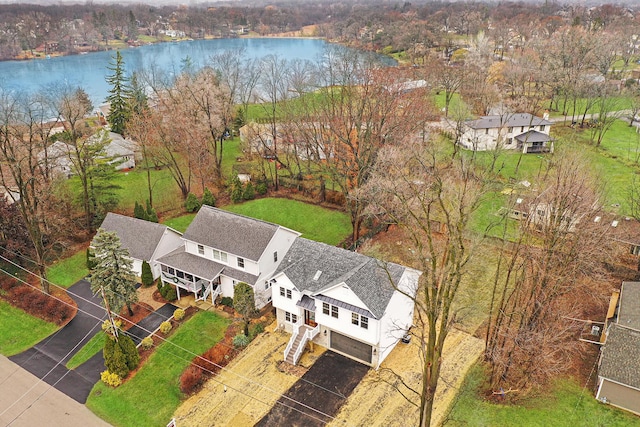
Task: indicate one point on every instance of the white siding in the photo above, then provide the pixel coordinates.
(280, 243)
(343, 324)
(343, 293)
(170, 241)
(398, 316)
(137, 267)
(284, 303)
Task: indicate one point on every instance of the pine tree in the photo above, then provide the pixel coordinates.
(208, 198)
(138, 211)
(119, 95)
(113, 273)
(151, 214)
(147, 275)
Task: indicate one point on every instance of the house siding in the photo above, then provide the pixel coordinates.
(619, 395)
(170, 241)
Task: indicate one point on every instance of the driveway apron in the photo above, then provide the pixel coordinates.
(46, 359)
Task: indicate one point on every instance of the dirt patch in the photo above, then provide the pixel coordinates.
(376, 400)
(253, 383)
(319, 394)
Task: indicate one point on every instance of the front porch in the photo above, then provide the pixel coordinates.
(190, 285)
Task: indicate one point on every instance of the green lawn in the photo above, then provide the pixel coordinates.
(151, 397)
(68, 271)
(135, 188)
(314, 222)
(564, 404)
(95, 344)
(19, 331)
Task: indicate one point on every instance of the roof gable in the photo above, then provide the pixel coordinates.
(230, 232)
(140, 237)
(315, 267)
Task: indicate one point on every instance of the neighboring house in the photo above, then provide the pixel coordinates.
(58, 159)
(518, 131)
(119, 150)
(348, 302)
(145, 240)
(222, 249)
(8, 188)
(619, 370)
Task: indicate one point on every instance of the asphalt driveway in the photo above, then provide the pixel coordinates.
(46, 359)
(325, 387)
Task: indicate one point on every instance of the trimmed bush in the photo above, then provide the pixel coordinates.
(146, 343)
(138, 211)
(235, 189)
(228, 301)
(241, 340)
(129, 350)
(114, 358)
(191, 204)
(191, 379)
(208, 198)
(261, 188)
(147, 275)
(165, 327)
(167, 291)
(249, 192)
(111, 379)
(258, 329)
(178, 314)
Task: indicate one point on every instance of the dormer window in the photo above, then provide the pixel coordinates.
(275, 256)
(219, 256)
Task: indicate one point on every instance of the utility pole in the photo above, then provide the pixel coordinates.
(109, 314)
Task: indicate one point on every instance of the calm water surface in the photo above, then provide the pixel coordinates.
(89, 71)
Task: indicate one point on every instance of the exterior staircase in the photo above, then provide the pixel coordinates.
(302, 334)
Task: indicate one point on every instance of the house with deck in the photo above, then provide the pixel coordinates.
(619, 370)
(514, 131)
(347, 302)
(221, 249)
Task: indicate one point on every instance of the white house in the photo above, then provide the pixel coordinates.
(221, 249)
(119, 151)
(350, 303)
(515, 131)
(145, 240)
(619, 370)
(57, 157)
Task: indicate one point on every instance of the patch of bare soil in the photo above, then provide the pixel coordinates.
(380, 404)
(253, 384)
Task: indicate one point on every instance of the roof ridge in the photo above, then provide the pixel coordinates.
(241, 215)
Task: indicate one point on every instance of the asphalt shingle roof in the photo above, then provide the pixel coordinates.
(533, 136)
(507, 120)
(629, 311)
(138, 236)
(194, 264)
(365, 276)
(620, 356)
(230, 232)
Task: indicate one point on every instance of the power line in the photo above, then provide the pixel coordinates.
(222, 368)
(340, 395)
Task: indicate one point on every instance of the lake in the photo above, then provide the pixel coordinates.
(89, 71)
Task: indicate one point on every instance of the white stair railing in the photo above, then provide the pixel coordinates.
(309, 335)
(296, 331)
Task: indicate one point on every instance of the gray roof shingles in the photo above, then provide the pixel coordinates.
(533, 136)
(230, 232)
(507, 120)
(629, 311)
(365, 276)
(203, 267)
(130, 230)
(620, 356)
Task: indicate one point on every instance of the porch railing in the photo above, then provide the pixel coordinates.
(296, 331)
(309, 334)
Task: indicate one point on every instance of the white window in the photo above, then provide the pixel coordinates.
(219, 256)
(357, 319)
(240, 262)
(325, 308)
(542, 127)
(334, 311)
(290, 317)
(267, 285)
(289, 293)
(201, 249)
(275, 256)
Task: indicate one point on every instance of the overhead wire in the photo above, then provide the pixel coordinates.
(222, 368)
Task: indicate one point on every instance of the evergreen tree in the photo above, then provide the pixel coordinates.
(119, 95)
(151, 214)
(113, 272)
(192, 204)
(138, 211)
(208, 198)
(147, 275)
(138, 102)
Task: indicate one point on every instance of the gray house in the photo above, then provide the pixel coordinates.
(145, 241)
(619, 370)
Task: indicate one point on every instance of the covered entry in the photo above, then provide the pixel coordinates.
(351, 347)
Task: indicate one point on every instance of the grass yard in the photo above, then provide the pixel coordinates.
(68, 271)
(153, 394)
(180, 223)
(565, 404)
(19, 331)
(95, 344)
(314, 222)
(135, 188)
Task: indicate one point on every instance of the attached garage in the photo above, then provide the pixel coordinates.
(350, 347)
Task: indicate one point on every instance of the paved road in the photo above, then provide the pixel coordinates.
(26, 402)
(46, 359)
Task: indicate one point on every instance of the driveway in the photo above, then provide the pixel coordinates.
(46, 359)
(324, 387)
